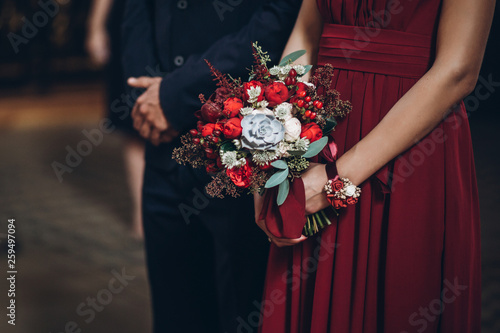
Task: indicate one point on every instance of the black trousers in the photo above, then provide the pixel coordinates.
(206, 257)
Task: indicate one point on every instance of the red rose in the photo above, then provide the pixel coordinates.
(232, 128)
(207, 129)
(254, 84)
(232, 107)
(336, 203)
(276, 93)
(351, 200)
(312, 132)
(210, 112)
(240, 176)
(337, 185)
(220, 125)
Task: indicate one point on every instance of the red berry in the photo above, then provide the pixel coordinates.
(315, 103)
(294, 81)
(307, 99)
(193, 132)
(216, 133)
(313, 115)
(319, 105)
(300, 103)
(209, 150)
(288, 81)
(196, 141)
(215, 139)
(205, 143)
(308, 113)
(301, 94)
(292, 73)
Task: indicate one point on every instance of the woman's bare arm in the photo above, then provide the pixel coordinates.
(462, 35)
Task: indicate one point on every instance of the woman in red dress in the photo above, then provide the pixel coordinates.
(406, 257)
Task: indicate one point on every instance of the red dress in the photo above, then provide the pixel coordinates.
(406, 258)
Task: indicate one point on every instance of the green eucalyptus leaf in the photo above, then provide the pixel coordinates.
(280, 164)
(316, 147)
(276, 179)
(227, 146)
(283, 192)
(330, 125)
(292, 57)
(296, 152)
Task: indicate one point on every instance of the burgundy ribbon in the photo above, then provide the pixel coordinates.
(288, 220)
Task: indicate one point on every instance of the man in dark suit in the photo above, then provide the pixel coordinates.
(206, 258)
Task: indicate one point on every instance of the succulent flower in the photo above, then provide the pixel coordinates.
(261, 132)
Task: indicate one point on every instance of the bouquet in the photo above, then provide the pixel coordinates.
(262, 133)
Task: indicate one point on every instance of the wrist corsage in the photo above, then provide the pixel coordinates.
(341, 192)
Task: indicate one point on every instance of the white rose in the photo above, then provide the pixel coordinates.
(292, 129)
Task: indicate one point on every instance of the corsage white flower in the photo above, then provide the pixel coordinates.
(293, 128)
(283, 111)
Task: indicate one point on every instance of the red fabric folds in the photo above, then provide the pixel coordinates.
(287, 220)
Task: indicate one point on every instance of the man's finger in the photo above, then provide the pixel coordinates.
(141, 82)
(135, 111)
(138, 123)
(155, 136)
(145, 130)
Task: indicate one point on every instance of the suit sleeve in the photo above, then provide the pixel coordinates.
(138, 50)
(271, 26)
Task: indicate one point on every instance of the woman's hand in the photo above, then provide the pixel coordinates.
(280, 242)
(314, 179)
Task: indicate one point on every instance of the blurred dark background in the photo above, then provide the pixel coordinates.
(73, 236)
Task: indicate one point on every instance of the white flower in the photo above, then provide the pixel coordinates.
(237, 143)
(262, 104)
(283, 111)
(275, 70)
(282, 150)
(253, 94)
(301, 144)
(265, 111)
(299, 69)
(285, 69)
(350, 190)
(292, 129)
(262, 157)
(246, 111)
(230, 160)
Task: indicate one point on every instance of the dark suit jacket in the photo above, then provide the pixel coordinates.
(174, 37)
